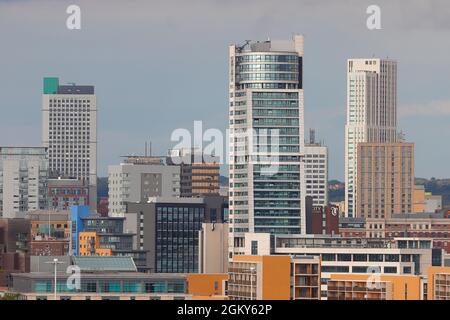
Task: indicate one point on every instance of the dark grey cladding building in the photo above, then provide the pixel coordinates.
(167, 229)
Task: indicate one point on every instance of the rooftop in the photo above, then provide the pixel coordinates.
(104, 264)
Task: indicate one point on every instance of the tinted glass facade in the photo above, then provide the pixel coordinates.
(177, 228)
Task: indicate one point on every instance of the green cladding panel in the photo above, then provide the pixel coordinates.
(51, 85)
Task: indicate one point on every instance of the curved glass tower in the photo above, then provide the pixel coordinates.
(266, 139)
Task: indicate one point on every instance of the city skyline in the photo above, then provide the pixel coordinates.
(140, 67)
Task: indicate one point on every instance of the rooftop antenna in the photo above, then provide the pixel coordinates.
(150, 148)
(145, 148)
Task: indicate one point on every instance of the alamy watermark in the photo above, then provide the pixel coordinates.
(258, 145)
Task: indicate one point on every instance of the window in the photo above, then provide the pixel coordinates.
(390, 269)
(254, 248)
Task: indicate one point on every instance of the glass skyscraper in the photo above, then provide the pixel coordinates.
(266, 139)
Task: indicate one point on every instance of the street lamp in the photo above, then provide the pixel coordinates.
(55, 262)
(252, 270)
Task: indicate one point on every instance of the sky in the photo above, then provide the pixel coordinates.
(161, 65)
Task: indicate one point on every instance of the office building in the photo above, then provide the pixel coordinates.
(264, 277)
(102, 278)
(65, 193)
(316, 170)
(138, 178)
(168, 230)
(385, 182)
(371, 114)
(266, 139)
(69, 132)
(23, 180)
(199, 173)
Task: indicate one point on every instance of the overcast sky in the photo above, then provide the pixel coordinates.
(160, 65)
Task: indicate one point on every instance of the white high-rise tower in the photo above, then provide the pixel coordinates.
(371, 114)
(69, 132)
(266, 139)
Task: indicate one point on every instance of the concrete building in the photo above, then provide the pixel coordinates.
(167, 230)
(266, 139)
(385, 182)
(23, 180)
(371, 114)
(65, 193)
(213, 248)
(316, 170)
(398, 256)
(199, 173)
(282, 277)
(138, 178)
(69, 132)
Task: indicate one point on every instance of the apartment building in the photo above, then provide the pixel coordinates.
(385, 182)
(398, 256)
(266, 184)
(23, 180)
(375, 287)
(438, 283)
(371, 114)
(277, 277)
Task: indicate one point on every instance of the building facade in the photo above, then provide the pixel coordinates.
(263, 277)
(14, 247)
(69, 132)
(266, 139)
(398, 256)
(137, 179)
(64, 193)
(168, 230)
(316, 171)
(23, 180)
(371, 114)
(199, 173)
(385, 182)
